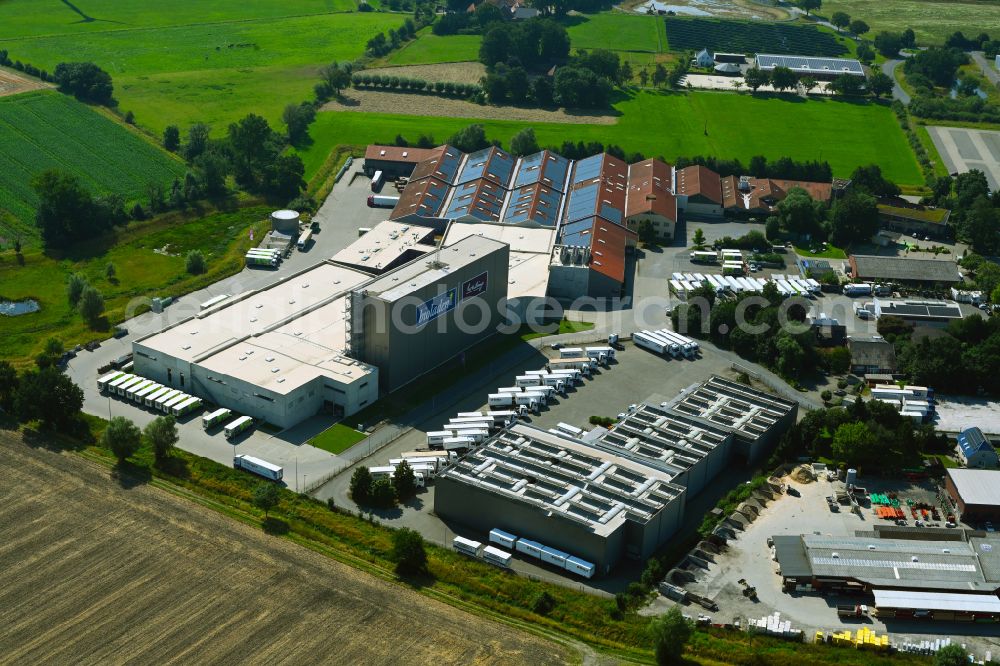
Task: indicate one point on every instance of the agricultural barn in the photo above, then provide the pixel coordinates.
(395, 161)
(907, 218)
(976, 492)
(904, 270)
(975, 450)
(557, 490)
(871, 355)
(326, 338)
(938, 563)
(818, 68)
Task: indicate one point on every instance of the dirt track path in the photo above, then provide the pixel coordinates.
(94, 573)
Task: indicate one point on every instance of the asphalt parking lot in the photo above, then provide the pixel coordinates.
(748, 557)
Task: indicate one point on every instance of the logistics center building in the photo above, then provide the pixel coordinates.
(557, 490)
(327, 338)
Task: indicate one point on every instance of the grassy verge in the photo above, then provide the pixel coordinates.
(830, 252)
(940, 170)
(565, 326)
(467, 584)
(149, 261)
(337, 438)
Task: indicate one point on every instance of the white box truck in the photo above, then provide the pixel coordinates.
(858, 289)
(152, 397)
(501, 400)
(102, 382)
(571, 352)
(163, 398)
(497, 557)
(580, 567)
(258, 466)
(458, 443)
(528, 380)
(529, 548)
(382, 201)
(436, 438)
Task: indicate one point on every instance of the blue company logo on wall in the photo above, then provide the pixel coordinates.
(433, 308)
(475, 286)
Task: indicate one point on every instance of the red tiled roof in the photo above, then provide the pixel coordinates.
(607, 249)
(764, 193)
(697, 180)
(650, 185)
(400, 154)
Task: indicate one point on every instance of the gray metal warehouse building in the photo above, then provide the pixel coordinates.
(560, 491)
(415, 318)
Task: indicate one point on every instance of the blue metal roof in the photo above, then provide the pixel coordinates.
(580, 232)
(811, 65)
(533, 203)
(490, 163)
(588, 168)
(972, 440)
(481, 199)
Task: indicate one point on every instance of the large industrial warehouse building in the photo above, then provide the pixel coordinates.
(613, 494)
(557, 490)
(328, 338)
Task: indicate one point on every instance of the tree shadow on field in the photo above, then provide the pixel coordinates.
(175, 467)
(274, 526)
(129, 475)
(418, 580)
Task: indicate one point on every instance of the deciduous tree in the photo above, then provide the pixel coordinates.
(266, 497)
(161, 433)
(408, 552)
(122, 438)
(670, 633)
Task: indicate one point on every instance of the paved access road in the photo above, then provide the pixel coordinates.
(989, 69)
(889, 69)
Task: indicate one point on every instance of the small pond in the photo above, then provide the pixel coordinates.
(15, 308)
(953, 93)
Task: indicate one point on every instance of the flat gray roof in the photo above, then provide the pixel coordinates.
(530, 247)
(977, 486)
(386, 243)
(904, 268)
(746, 411)
(968, 603)
(422, 272)
(566, 478)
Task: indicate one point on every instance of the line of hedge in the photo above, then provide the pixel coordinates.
(402, 83)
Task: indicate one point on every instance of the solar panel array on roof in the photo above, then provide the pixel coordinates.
(808, 64)
(582, 202)
(444, 167)
(580, 232)
(481, 199)
(533, 203)
(491, 163)
(587, 169)
(544, 167)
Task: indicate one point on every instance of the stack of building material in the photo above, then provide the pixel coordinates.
(773, 625)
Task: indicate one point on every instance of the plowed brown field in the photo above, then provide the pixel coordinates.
(96, 573)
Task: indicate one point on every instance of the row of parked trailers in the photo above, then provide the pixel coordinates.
(547, 554)
(263, 257)
(665, 341)
(148, 393)
(788, 285)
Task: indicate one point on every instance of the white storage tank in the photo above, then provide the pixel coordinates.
(852, 476)
(285, 222)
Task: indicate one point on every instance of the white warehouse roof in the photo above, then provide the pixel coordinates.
(977, 486)
(809, 65)
(946, 601)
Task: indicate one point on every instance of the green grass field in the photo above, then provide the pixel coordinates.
(337, 438)
(847, 134)
(141, 272)
(617, 31)
(931, 20)
(197, 63)
(47, 130)
(429, 49)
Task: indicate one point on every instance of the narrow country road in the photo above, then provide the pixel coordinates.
(889, 69)
(989, 70)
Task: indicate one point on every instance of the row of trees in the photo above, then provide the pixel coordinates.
(44, 395)
(84, 80)
(760, 167)
(783, 78)
(367, 79)
(384, 42)
(975, 211)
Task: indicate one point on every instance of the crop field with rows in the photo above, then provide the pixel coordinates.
(48, 130)
(694, 34)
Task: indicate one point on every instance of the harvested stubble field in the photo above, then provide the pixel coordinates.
(99, 573)
(378, 101)
(12, 83)
(454, 72)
